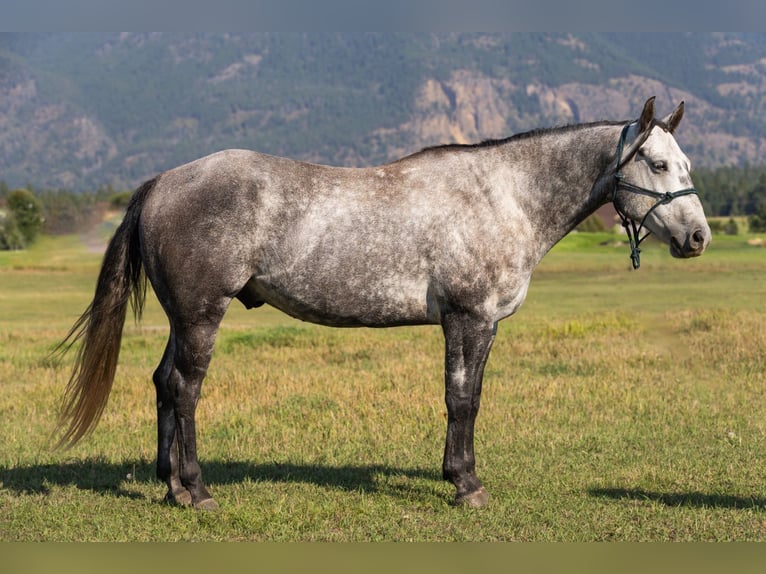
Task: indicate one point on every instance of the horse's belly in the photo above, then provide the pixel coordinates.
(344, 302)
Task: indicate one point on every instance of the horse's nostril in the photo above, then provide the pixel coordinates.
(698, 238)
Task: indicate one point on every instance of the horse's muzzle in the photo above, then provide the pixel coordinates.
(692, 245)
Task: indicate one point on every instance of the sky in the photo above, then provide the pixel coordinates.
(381, 15)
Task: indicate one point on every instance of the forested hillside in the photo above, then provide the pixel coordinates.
(83, 111)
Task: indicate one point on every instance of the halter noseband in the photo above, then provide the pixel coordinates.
(662, 198)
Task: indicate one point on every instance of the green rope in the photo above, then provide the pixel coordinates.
(631, 230)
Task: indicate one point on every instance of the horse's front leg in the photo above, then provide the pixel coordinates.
(468, 342)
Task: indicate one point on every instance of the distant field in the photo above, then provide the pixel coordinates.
(618, 405)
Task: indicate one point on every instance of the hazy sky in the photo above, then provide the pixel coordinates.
(381, 15)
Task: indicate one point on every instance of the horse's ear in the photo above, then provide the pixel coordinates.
(647, 115)
(644, 129)
(674, 118)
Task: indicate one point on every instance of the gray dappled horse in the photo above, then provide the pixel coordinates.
(449, 235)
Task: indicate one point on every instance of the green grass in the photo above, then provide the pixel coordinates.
(617, 405)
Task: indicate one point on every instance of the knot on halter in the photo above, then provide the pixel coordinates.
(634, 239)
(667, 197)
(633, 232)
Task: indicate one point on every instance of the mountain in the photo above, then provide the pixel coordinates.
(80, 111)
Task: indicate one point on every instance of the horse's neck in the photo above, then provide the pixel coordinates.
(568, 175)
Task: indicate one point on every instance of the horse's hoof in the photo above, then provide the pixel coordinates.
(476, 499)
(179, 498)
(207, 504)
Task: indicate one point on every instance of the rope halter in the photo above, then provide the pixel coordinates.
(631, 229)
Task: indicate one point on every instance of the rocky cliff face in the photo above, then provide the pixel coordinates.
(470, 107)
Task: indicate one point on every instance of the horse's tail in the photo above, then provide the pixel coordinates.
(121, 280)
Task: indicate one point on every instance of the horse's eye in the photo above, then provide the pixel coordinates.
(660, 166)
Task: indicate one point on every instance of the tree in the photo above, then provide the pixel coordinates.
(120, 199)
(10, 236)
(757, 222)
(27, 212)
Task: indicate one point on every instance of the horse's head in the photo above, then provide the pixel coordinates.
(654, 186)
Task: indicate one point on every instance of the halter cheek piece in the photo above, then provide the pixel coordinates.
(662, 198)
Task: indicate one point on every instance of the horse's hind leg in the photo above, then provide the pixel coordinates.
(178, 381)
(167, 445)
(468, 342)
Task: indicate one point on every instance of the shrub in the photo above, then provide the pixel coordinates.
(716, 226)
(11, 238)
(27, 212)
(592, 224)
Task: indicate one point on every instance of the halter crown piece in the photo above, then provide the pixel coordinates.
(662, 198)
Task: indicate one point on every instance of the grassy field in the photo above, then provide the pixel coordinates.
(618, 405)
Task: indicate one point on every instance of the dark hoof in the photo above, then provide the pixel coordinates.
(208, 504)
(476, 499)
(179, 498)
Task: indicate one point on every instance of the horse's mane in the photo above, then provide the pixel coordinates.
(516, 137)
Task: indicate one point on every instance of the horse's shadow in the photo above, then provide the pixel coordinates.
(681, 499)
(106, 477)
